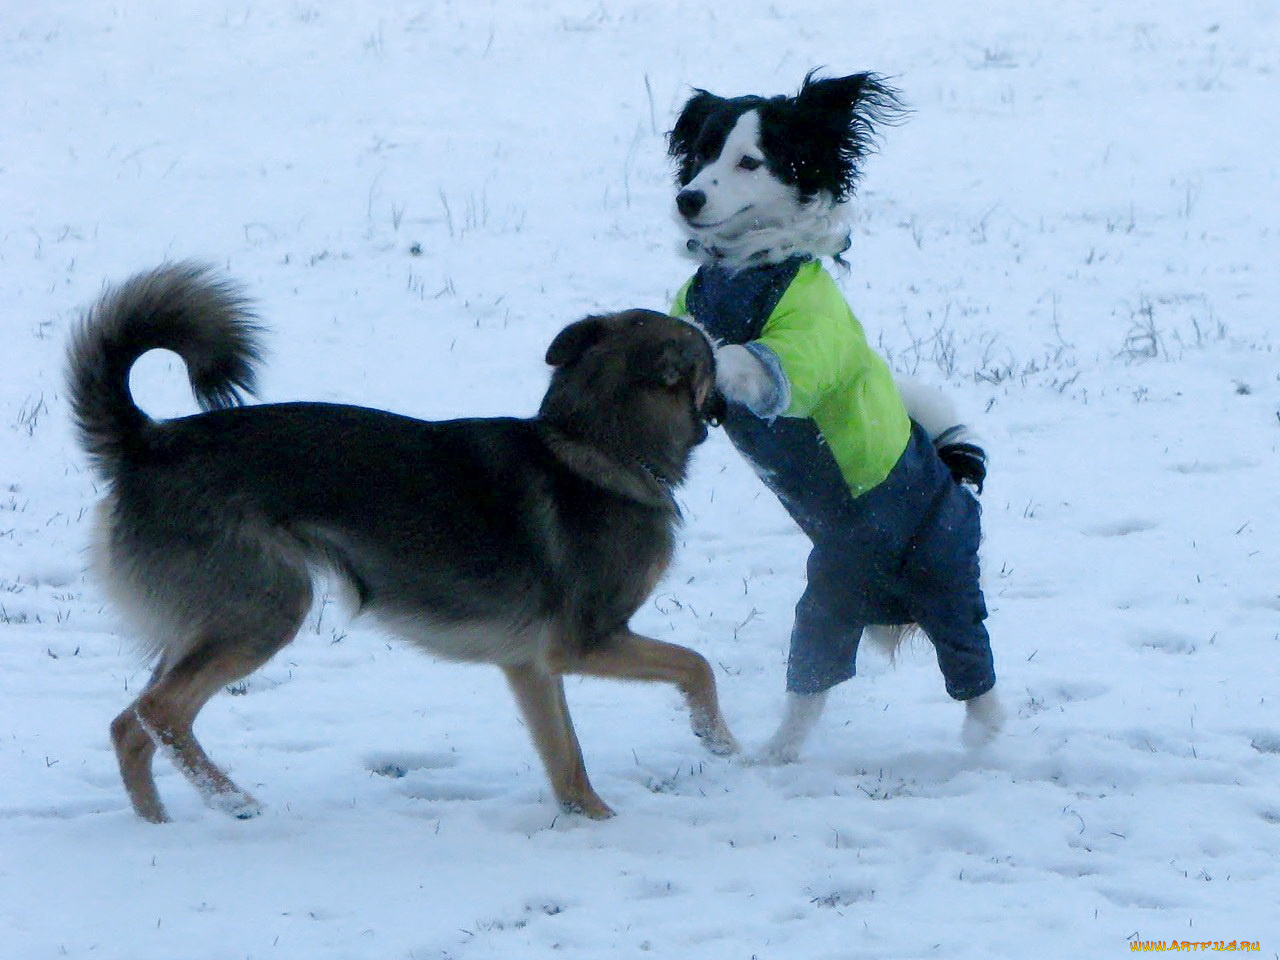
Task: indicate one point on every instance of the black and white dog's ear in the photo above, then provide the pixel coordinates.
(575, 340)
(863, 100)
(847, 112)
(693, 116)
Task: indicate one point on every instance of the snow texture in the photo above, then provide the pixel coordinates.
(1075, 233)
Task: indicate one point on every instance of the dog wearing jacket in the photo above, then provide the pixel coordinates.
(876, 480)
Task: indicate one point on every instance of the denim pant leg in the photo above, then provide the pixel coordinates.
(846, 591)
(946, 598)
(961, 642)
(824, 646)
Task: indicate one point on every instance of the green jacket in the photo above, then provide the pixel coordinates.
(834, 378)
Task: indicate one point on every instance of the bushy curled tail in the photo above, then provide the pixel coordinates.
(179, 307)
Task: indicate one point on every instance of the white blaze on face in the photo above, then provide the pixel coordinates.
(741, 192)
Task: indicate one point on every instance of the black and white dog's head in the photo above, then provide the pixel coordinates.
(763, 178)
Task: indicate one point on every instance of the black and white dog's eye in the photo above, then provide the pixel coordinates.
(749, 163)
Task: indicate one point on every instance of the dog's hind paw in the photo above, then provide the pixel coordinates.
(983, 720)
(774, 754)
(801, 715)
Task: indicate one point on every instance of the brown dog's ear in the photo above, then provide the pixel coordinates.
(574, 340)
(670, 365)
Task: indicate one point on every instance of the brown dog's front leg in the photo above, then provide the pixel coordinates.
(630, 656)
(540, 696)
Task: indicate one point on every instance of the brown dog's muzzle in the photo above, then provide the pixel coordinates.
(714, 408)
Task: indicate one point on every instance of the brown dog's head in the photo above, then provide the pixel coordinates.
(639, 384)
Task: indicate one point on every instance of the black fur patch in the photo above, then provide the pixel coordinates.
(815, 140)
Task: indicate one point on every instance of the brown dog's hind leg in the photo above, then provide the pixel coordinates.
(629, 656)
(540, 696)
(167, 709)
(134, 752)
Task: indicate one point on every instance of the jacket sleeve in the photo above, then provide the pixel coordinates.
(818, 343)
(680, 307)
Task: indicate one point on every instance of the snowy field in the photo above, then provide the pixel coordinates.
(1077, 230)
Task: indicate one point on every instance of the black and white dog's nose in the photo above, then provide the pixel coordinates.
(689, 202)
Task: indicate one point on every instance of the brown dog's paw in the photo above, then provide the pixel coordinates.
(715, 736)
(236, 803)
(589, 806)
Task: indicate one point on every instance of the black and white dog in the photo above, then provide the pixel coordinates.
(872, 470)
(764, 178)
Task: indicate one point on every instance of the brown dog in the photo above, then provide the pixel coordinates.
(527, 544)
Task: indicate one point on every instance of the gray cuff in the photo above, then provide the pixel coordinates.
(779, 398)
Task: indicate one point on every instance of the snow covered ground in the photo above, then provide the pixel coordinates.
(1077, 230)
